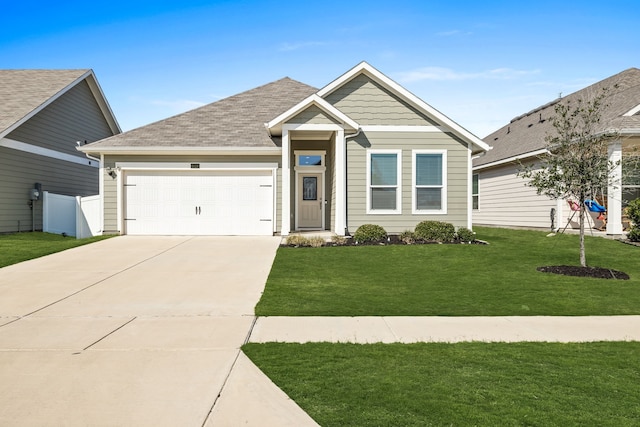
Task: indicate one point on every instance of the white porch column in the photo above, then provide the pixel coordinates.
(340, 166)
(614, 190)
(286, 184)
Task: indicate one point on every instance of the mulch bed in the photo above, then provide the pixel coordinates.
(391, 240)
(595, 272)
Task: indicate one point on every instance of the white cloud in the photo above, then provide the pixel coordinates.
(447, 74)
(288, 47)
(453, 33)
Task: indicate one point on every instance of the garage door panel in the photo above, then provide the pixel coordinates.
(196, 203)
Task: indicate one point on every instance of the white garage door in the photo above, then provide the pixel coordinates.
(198, 202)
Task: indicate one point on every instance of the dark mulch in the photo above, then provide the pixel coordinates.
(392, 239)
(595, 272)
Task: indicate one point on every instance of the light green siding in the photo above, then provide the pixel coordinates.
(21, 170)
(457, 178)
(111, 187)
(312, 115)
(368, 103)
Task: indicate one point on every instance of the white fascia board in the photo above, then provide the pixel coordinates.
(204, 166)
(629, 131)
(98, 94)
(47, 152)
(633, 111)
(217, 151)
(512, 159)
(306, 103)
(394, 87)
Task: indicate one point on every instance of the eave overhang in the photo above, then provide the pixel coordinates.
(205, 151)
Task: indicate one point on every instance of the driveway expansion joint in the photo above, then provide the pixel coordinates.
(110, 333)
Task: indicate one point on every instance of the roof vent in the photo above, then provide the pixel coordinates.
(508, 129)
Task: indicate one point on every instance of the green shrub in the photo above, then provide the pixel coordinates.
(407, 237)
(435, 231)
(465, 235)
(634, 234)
(633, 212)
(367, 233)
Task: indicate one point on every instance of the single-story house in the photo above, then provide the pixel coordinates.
(44, 114)
(286, 157)
(501, 197)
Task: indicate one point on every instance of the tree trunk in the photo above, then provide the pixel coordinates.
(583, 256)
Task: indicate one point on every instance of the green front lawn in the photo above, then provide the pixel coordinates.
(465, 384)
(452, 280)
(15, 248)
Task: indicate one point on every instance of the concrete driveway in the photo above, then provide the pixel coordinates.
(136, 331)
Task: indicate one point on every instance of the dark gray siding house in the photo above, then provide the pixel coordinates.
(43, 114)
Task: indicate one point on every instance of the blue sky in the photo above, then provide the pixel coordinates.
(479, 62)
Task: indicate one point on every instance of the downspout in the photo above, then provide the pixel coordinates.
(346, 182)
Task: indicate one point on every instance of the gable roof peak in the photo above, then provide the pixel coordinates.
(25, 92)
(399, 91)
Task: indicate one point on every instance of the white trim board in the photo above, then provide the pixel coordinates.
(306, 103)
(511, 159)
(633, 111)
(47, 152)
(187, 166)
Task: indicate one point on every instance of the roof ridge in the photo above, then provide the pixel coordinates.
(585, 90)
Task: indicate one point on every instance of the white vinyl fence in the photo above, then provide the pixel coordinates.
(75, 216)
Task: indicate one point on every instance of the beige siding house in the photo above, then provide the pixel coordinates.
(288, 157)
(501, 198)
(43, 115)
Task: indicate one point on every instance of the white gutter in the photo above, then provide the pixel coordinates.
(512, 159)
(184, 150)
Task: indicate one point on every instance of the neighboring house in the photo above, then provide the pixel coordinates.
(286, 156)
(43, 113)
(502, 198)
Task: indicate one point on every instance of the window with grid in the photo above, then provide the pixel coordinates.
(429, 181)
(384, 176)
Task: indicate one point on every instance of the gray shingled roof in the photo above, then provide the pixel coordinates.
(237, 121)
(526, 133)
(22, 91)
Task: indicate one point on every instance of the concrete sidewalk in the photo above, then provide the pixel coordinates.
(446, 329)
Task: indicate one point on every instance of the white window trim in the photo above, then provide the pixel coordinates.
(414, 199)
(321, 153)
(398, 185)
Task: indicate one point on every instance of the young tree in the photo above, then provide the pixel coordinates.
(577, 166)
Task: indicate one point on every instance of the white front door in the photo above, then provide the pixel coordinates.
(310, 200)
